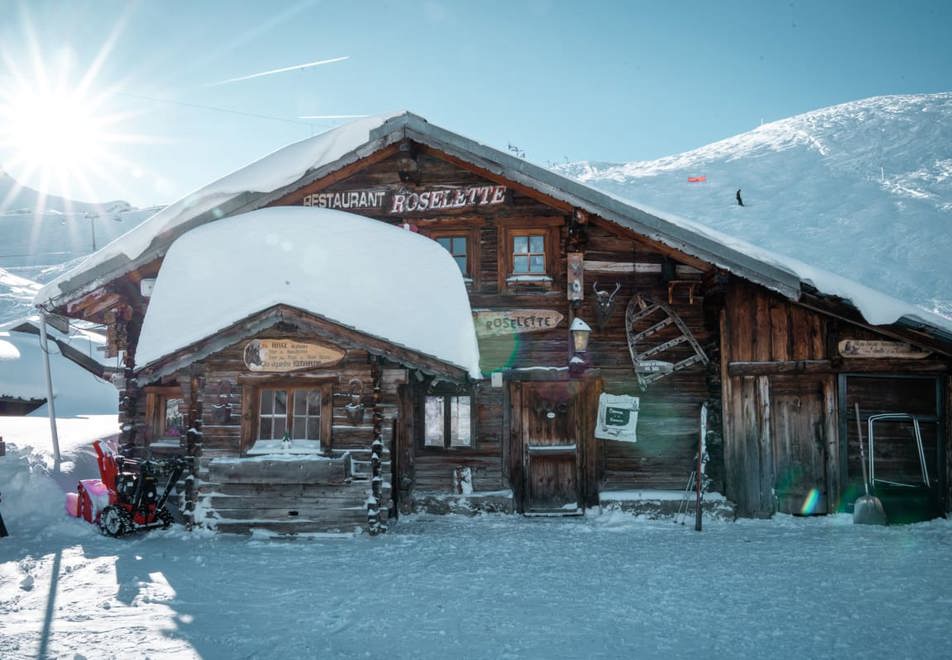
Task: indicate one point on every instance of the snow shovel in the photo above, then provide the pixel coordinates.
(867, 510)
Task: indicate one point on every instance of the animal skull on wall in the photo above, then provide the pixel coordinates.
(604, 302)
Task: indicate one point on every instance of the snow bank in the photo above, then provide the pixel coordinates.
(862, 191)
(380, 280)
(29, 495)
(279, 169)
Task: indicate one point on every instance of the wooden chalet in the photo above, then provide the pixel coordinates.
(679, 324)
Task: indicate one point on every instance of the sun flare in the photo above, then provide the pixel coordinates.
(55, 130)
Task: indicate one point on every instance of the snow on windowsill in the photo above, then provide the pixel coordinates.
(545, 279)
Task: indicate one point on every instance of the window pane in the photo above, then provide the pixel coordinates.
(520, 265)
(536, 244)
(433, 424)
(459, 245)
(313, 428)
(461, 262)
(280, 402)
(537, 264)
(174, 418)
(314, 402)
(460, 431)
(264, 433)
(446, 242)
(300, 402)
(267, 402)
(520, 244)
(299, 428)
(280, 425)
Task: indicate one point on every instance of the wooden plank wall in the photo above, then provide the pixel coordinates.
(663, 457)
(758, 326)
(762, 330)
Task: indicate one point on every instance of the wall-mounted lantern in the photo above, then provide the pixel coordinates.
(580, 332)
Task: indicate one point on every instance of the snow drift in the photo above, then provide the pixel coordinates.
(378, 279)
(862, 189)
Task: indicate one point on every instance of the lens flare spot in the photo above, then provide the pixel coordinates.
(810, 502)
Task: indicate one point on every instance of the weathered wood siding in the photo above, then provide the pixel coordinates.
(788, 406)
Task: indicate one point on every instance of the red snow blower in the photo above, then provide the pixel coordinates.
(126, 498)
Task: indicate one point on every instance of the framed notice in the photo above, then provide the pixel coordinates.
(617, 418)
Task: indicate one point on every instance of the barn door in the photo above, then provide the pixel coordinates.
(798, 432)
(551, 447)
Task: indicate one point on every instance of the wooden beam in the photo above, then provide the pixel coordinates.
(772, 367)
(866, 365)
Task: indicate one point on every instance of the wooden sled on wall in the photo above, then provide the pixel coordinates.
(659, 341)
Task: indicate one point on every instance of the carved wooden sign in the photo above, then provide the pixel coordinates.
(409, 201)
(862, 348)
(515, 321)
(287, 355)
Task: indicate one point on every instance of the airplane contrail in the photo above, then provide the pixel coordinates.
(282, 70)
(332, 116)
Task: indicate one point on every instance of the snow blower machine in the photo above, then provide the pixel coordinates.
(127, 497)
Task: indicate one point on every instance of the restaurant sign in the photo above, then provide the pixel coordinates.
(286, 355)
(515, 321)
(406, 201)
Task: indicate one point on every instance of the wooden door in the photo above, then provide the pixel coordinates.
(551, 447)
(798, 431)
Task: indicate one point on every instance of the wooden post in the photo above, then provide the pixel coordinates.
(375, 526)
(699, 473)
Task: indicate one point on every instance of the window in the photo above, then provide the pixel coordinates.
(301, 420)
(528, 255)
(459, 237)
(456, 246)
(289, 419)
(166, 414)
(447, 422)
(173, 422)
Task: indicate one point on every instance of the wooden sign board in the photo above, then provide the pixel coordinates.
(405, 201)
(862, 348)
(286, 355)
(575, 262)
(515, 321)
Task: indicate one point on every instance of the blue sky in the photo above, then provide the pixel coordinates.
(608, 81)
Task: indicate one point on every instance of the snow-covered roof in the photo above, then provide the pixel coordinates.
(382, 281)
(299, 164)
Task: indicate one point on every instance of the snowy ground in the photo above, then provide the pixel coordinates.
(496, 586)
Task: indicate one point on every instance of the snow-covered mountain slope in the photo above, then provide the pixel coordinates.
(862, 189)
(42, 235)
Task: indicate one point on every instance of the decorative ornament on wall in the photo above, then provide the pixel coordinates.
(604, 304)
(355, 407)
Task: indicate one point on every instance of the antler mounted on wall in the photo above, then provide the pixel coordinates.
(604, 303)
